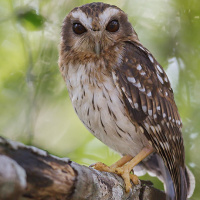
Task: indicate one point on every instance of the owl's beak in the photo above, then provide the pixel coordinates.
(97, 41)
(97, 48)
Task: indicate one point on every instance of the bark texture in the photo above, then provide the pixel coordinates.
(31, 173)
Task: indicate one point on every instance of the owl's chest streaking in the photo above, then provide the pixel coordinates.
(100, 107)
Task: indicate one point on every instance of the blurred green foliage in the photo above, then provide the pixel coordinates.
(29, 18)
(34, 105)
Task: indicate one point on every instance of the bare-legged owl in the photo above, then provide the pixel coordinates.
(123, 96)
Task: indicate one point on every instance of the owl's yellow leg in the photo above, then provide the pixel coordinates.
(125, 170)
(102, 167)
(121, 161)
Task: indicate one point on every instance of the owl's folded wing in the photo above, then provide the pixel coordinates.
(149, 101)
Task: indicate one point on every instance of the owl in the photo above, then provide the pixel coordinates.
(124, 97)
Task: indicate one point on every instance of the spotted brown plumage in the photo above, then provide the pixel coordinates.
(152, 105)
(123, 96)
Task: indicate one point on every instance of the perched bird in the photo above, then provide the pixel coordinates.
(123, 96)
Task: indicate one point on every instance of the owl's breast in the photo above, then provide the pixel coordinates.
(99, 106)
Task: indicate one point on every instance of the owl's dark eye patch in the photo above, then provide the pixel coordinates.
(78, 28)
(113, 26)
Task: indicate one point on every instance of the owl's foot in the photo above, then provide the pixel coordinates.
(121, 171)
(125, 165)
(125, 170)
(127, 176)
(102, 167)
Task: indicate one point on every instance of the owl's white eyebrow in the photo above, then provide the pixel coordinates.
(107, 14)
(82, 17)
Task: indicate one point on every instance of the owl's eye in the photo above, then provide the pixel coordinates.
(79, 28)
(113, 26)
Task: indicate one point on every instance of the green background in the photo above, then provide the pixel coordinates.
(34, 104)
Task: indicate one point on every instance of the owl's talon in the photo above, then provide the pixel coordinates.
(92, 165)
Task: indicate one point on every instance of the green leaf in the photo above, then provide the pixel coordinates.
(29, 19)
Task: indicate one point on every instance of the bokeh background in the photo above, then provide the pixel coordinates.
(34, 104)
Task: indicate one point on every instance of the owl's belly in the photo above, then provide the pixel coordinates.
(102, 111)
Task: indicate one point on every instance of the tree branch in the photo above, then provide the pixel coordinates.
(29, 172)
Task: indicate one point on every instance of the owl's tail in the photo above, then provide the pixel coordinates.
(155, 166)
(190, 182)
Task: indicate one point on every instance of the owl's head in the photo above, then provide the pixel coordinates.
(95, 27)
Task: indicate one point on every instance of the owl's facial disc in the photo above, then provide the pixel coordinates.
(93, 32)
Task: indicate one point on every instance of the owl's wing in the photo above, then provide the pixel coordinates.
(149, 101)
